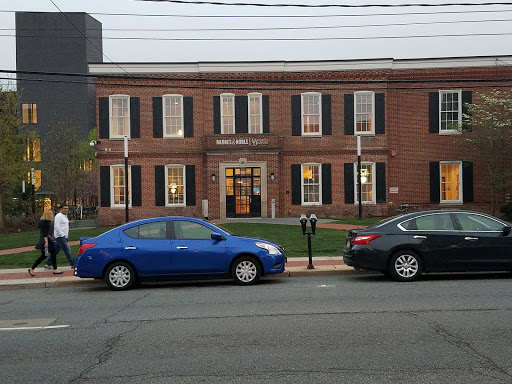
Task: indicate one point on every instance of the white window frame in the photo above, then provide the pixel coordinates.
(122, 205)
(302, 113)
(222, 97)
(374, 183)
(319, 184)
(167, 204)
(110, 98)
(459, 112)
(461, 181)
(372, 116)
(260, 112)
(166, 99)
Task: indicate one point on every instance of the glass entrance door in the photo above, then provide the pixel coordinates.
(243, 192)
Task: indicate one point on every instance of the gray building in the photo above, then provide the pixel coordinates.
(50, 44)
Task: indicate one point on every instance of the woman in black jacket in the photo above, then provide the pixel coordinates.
(46, 242)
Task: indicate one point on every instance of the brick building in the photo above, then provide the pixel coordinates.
(256, 139)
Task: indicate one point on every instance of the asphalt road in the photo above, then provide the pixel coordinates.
(330, 329)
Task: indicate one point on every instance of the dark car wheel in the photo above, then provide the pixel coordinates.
(405, 266)
(246, 270)
(120, 276)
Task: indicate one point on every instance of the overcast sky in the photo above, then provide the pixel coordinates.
(337, 33)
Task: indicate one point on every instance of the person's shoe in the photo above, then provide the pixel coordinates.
(31, 272)
(57, 272)
(48, 267)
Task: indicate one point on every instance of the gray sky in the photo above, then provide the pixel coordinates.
(345, 34)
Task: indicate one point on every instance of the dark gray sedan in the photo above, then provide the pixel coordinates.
(405, 246)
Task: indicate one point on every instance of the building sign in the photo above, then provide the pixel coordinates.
(250, 141)
(393, 189)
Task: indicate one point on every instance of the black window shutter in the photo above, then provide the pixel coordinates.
(326, 115)
(435, 186)
(266, 114)
(103, 117)
(216, 115)
(241, 114)
(326, 184)
(433, 112)
(296, 184)
(190, 174)
(380, 114)
(380, 171)
(136, 186)
(349, 114)
(105, 186)
(160, 185)
(134, 117)
(188, 116)
(467, 98)
(296, 116)
(348, 175)
(158, 125)
(467, 181)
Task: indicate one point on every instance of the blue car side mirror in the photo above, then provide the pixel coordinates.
(217, 236)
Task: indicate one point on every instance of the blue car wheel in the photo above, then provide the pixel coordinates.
(120, 276)
(246, 270)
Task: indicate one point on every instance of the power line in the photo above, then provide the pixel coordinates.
(269, 28)
(279, 38)
(196, 2)
(84, 36)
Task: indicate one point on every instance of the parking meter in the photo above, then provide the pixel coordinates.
(303, 220)
(313, 220)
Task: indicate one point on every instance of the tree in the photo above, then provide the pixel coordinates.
(12, 166)
(487, 134)
(69, 162)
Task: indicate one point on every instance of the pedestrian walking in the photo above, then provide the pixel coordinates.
(49, 265)
(61, 231)
(46, 243)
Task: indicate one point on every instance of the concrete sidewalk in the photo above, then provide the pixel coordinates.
(19, 278)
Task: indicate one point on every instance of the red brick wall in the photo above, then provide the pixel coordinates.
(407, 147)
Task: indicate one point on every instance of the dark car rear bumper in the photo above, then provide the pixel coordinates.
(365, 258)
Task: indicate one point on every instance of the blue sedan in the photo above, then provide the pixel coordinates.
(166, 247)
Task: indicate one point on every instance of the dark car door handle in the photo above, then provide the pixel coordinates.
(182, 247)
(471, 238)
(130, 247)
(420, 237)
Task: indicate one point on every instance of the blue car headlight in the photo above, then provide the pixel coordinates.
(273, 250)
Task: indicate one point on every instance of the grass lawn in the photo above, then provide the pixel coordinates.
(326, 242)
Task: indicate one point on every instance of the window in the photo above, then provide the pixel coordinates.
(119, 116)
(173, 115)
(311, 184)
(367, 182)
(34, 178)
(433, 222)
(311, 114)
(117, 177)
(175, 176)
(33, 150)
(450, 108)
(155, 230)
(475, 222)
(187, 230)
(364, 113)
(451, 190)
(255, 113)
(29, 113)
(227, 108)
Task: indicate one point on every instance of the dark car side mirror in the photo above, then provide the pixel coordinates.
(217, 236)
(506, 230)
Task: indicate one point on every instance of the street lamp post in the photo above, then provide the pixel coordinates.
(126, 177)
(359, 186)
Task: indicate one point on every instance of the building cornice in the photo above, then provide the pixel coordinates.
(297, 66)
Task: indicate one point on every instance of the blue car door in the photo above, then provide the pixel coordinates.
(195, 252)
(148, 247)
